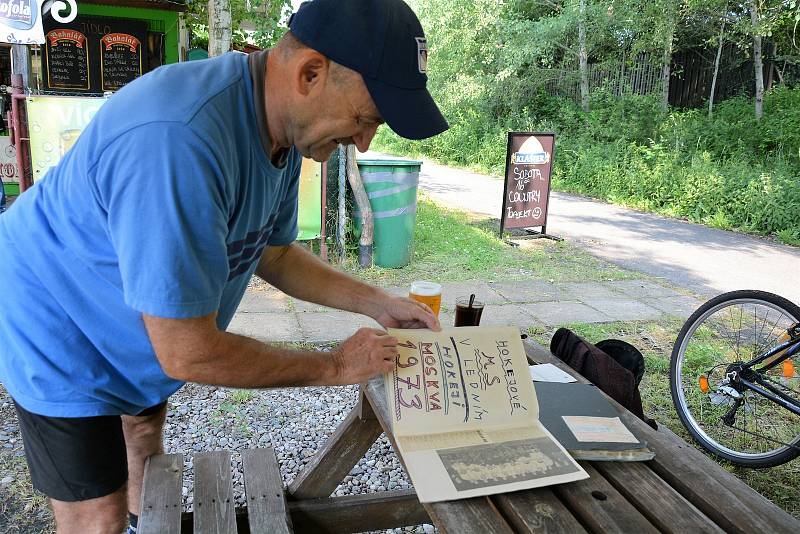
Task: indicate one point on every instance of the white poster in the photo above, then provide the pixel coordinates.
(21, 21)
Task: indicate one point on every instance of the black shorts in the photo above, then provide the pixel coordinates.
(75, 458)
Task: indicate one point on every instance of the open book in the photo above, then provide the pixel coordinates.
(465, 416)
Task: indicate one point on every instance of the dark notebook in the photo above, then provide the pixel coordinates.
(574, 399)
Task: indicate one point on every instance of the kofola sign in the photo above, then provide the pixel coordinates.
(529, 160)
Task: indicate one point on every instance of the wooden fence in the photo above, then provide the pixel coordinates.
(691, 74)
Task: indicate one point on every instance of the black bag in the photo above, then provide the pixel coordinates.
(617, 372)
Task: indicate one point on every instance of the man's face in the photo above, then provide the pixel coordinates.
(339, 112)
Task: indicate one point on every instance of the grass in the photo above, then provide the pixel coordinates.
(454, 246)
(655, 339)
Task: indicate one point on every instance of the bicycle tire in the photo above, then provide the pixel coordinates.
(691, 332)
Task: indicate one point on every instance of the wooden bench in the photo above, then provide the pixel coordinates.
(267, 509)
(214, 511)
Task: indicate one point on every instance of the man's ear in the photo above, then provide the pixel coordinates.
(311, 72)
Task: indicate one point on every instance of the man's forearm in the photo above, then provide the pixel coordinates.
(242, 362)
(302, 275)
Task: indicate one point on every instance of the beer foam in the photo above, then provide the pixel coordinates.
(426, 289)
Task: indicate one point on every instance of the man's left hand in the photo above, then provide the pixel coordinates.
(402, 312)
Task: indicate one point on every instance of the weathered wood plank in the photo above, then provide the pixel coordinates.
(601, 507)
(357, 513)
(213, 494)
(342, 450)
(537, 510)
(263, 485)
(160, 511)
(720, 496)
(467, 515)
(668, 510)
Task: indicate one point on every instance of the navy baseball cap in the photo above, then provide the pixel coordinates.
(383, 41)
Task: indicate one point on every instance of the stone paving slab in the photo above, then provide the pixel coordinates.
(483, 292)
(642, 289)
(332, 326)
(559, 313)
(584, 290)
(531, 291)
(507, 315)
(255, 301)
(303, 306)
(624, 310)
(681, 307)
(269, 326)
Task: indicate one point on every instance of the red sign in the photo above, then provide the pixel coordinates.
(111, 39)
(529, 161)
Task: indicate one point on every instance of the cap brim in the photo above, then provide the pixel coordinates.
(411, 113)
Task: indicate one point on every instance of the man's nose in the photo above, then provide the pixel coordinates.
(363, 139)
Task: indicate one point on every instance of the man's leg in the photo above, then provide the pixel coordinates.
(144, 436)
(102, 515)
(80, 464)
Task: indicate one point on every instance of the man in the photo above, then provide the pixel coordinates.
(126, 262)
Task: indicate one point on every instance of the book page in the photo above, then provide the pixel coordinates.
(460, 379)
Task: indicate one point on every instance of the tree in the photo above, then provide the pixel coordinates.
(256, 22)
(758, 63)
(219, 27)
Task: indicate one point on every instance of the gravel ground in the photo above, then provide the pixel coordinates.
(295, 422)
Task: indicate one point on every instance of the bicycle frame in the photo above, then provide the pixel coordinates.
(791, 347)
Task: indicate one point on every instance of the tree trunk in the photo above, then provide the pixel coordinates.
(665, 67)
(583, 55)
(716, 71)
(362, 201)
(219, 27)
(757, 61)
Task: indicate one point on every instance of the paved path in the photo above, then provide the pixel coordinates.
(270, 315)
(701, 259)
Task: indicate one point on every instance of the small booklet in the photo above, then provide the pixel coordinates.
(587, 424)
(465, 416)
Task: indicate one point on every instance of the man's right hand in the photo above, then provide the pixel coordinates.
(366, 353)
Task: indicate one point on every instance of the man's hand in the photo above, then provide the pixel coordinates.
(402, 312)
(366, 353)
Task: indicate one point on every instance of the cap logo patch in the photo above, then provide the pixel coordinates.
(422, 54)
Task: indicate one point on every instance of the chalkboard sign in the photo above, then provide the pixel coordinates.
(120, 60)
(67, 55)
(93, 54)
(529, 161)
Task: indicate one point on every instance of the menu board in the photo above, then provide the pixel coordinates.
(120, 60)
(68, 60)
(93, 54)
(529, 162)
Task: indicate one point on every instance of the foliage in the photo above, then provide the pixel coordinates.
(256, 22)
(487, 74)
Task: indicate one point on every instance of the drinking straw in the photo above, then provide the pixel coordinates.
(471, 300)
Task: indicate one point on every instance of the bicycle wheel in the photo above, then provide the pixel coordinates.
(734, 328)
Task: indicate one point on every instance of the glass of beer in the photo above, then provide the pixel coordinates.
(429, 293)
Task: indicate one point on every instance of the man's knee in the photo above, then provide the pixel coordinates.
(101, 515)
(144, 428)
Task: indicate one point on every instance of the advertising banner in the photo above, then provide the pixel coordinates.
(529, 162)
(54, 124)
(21, 21)
(309, 201)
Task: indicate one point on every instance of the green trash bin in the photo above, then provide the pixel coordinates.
(391, 186)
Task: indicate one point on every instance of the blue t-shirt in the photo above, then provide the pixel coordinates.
(163, 206)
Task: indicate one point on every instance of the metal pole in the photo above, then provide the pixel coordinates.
(340, 237)
(19, 133)
(323, 238)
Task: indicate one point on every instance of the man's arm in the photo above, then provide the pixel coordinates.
(300, 274)
(194, 350)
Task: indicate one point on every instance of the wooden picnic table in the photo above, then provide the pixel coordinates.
(680, 490)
